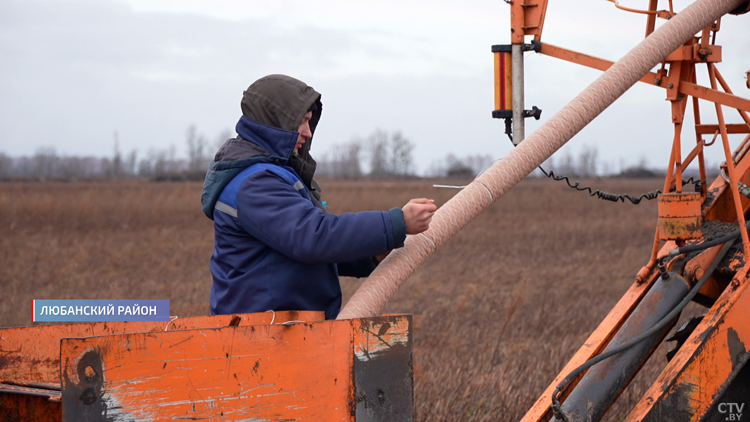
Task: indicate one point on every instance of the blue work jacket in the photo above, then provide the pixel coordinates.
(276, 247)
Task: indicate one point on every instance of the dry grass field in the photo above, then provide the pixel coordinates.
(497, 311)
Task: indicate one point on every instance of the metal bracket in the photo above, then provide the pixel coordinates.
(535, 112)
(535, 46)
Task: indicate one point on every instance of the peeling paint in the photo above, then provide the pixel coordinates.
(295, 372)
(737, 350)
(378, 338)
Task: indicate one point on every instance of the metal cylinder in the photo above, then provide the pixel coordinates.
(519, 130)
(604, 382)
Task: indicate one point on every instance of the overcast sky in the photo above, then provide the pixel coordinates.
(72, 72)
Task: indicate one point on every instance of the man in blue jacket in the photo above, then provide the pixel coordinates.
(276, 246)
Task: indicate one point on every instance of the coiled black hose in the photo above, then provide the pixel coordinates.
(557, 410)
(613, 197)
(601, 194)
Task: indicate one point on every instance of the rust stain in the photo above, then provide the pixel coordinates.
(737, 349)
(27, 406)
(235, 321)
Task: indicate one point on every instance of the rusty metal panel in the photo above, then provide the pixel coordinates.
(32, 354)
(680, 216)
(29, 404)
(302, 371)
(383, 371)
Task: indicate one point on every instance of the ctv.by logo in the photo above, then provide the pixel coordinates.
(732, 411)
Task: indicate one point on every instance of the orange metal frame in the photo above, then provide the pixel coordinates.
(685, 378)
(290, 365)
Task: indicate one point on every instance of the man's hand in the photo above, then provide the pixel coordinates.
(417, 215)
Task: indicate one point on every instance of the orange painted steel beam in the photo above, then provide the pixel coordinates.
(517, 22)
(715, 96)
(651, 20)
(704, 366)
(734, 176)
(728, 90)
(731, 128)
(586, 60)
(357, 369)
(32, 354)
(699, 145)
(693, 153)
(684, 87)
(527, 18)
(692, 53)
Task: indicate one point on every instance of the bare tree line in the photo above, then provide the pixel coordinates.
(586, 164)
(463, 167)
(157, 164)
(386, 155)
(381, 154)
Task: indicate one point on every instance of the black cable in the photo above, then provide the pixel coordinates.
(614, 197)
(601, 194)
(618, 197)
(556, 409)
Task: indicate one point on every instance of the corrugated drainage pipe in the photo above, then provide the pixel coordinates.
(370, 298)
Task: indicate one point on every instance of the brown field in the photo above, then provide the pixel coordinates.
(497, 311)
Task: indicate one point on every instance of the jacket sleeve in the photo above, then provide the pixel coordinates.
(360, 268)
(274, 212)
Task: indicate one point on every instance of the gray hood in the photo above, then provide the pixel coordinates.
(282, 101)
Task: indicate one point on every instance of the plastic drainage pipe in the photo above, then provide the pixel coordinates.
(374, 293)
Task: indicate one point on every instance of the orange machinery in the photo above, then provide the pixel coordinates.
(248, 367)
(694, 255)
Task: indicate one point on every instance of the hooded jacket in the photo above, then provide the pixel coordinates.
(276, 247)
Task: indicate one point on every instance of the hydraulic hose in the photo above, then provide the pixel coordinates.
(646, 334)
(708, 244)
